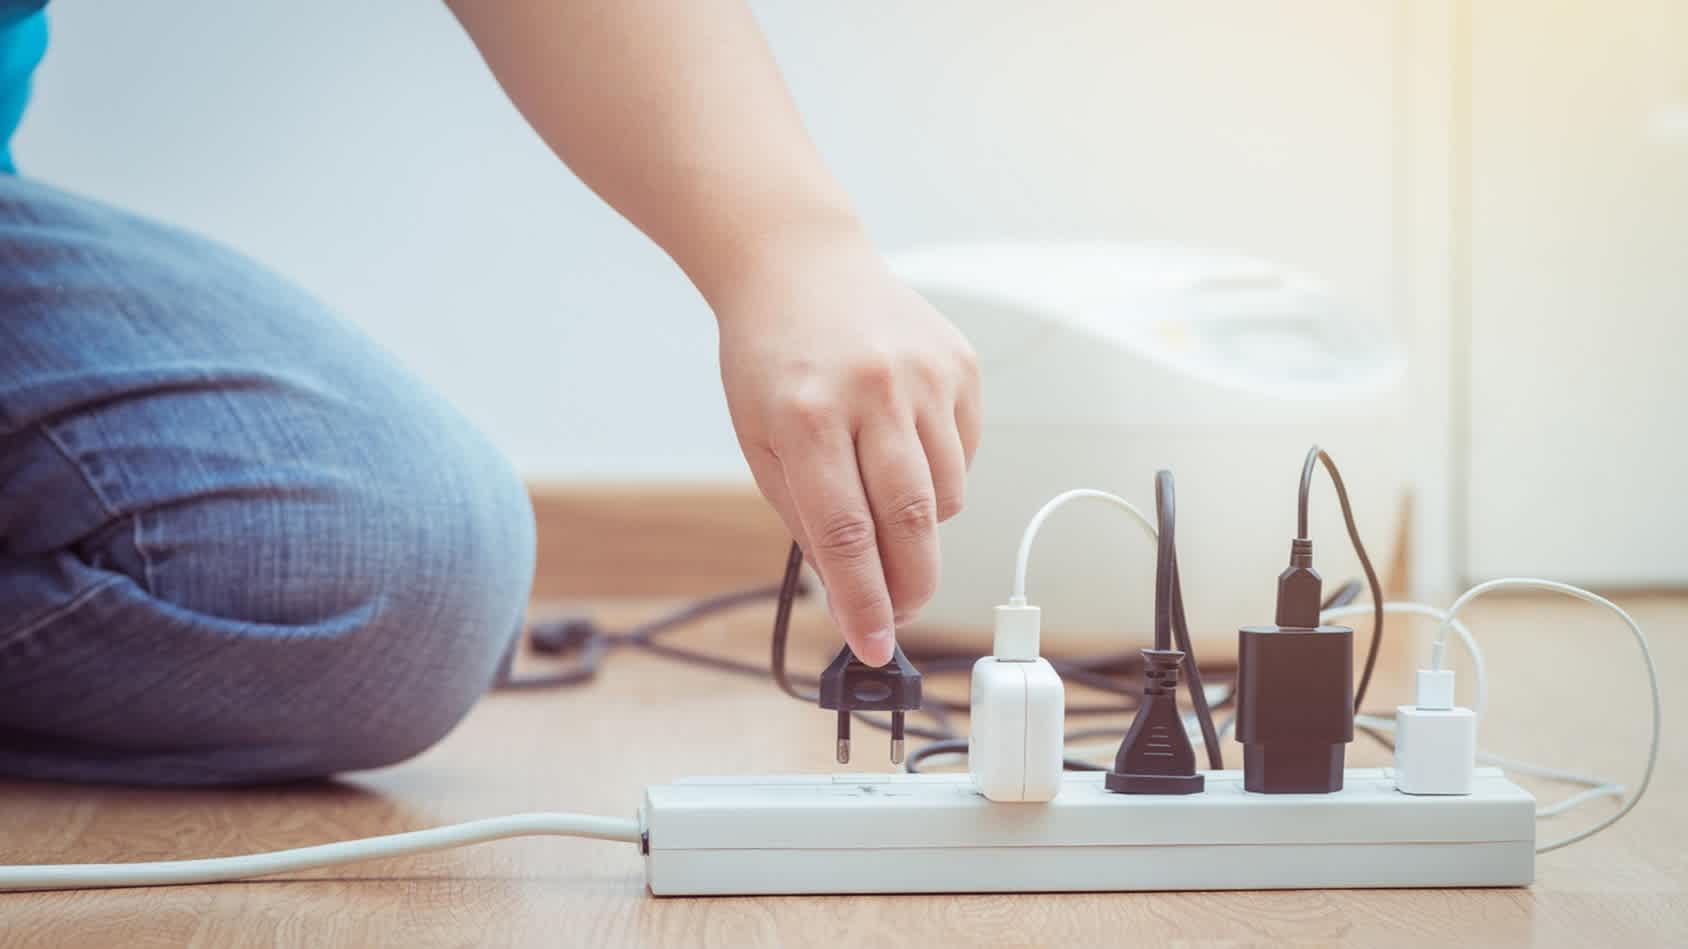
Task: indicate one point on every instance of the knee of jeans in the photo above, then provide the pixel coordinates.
(440, 596)
(379, 603)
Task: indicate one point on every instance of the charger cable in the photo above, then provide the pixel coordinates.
(1596, 788)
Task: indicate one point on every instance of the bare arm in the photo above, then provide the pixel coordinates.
(855, 403)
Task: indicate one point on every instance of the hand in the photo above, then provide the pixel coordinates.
(857, 406)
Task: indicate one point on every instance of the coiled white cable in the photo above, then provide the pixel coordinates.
(222, 869)
(1595, 787)
(1604, 789)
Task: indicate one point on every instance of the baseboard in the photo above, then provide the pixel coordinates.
(653, 540)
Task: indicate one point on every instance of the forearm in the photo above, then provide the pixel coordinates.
(855, 402)
(674, 112)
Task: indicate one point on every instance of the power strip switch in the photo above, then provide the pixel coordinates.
(935, 833)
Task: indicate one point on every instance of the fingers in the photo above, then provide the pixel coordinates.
(899, 483)
(968, 412)
(825, 487)
(947, 458)
(770, 480)
(863, 459)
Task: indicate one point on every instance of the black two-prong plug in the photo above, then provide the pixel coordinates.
(850, 685)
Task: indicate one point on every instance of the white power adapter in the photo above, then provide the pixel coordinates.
(1018, 709)
(1435, 741)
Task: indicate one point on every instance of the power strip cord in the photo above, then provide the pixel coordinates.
(75, 876)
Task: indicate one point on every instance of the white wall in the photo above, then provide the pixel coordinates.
(1578, 319)
(362, 149)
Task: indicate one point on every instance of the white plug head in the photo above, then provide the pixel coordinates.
(1435, 689)
(1018, 632)
(1016, 729)
(1435, 741)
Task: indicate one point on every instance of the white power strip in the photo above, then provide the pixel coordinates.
(909, 833)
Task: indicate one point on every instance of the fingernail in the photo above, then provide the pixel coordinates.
(878, 646)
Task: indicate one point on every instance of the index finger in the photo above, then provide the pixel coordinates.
(825, 485)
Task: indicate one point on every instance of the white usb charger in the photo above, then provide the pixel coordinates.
(1435, 741)
(1014, 747)
(1016, 741)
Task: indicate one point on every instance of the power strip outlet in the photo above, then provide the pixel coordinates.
(909, 833)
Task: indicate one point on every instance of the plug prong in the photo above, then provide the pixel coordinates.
(897, 737)
(843, 737)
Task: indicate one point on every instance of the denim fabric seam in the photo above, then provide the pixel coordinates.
(110, 509)
(13, 637)
(141, 551)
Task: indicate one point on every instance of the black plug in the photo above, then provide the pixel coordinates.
(1299, 588)
(1295, 690)
(1156, 756)
(850, 685)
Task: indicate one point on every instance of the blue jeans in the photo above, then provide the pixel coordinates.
(238, 543)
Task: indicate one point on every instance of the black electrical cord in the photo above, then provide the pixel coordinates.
(1110, 673)
(1377, 735)
(1170, 621)
(1344, 595)
(782, 624)
(918, 756)
(946, 746)
(594, 644)
(1317, 455)
(1166, 518)
(935, 708)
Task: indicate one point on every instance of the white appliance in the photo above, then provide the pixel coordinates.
(1105, 362)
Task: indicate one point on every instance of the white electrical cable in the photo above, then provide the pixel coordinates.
(1480, 676)
(221, 869)
(1531, 583)
(1595, 787)
(1023, 558)
(1577, 800)
(1607, 787)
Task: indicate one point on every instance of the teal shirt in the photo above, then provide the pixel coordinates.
(23, 40)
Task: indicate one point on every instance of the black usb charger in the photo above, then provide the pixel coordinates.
(1295, 678)
(1295, 690)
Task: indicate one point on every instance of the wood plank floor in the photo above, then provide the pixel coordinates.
(1566, 689)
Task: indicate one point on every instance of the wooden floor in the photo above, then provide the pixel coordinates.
(1566, 689)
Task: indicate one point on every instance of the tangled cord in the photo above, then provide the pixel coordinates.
(1110, 673)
